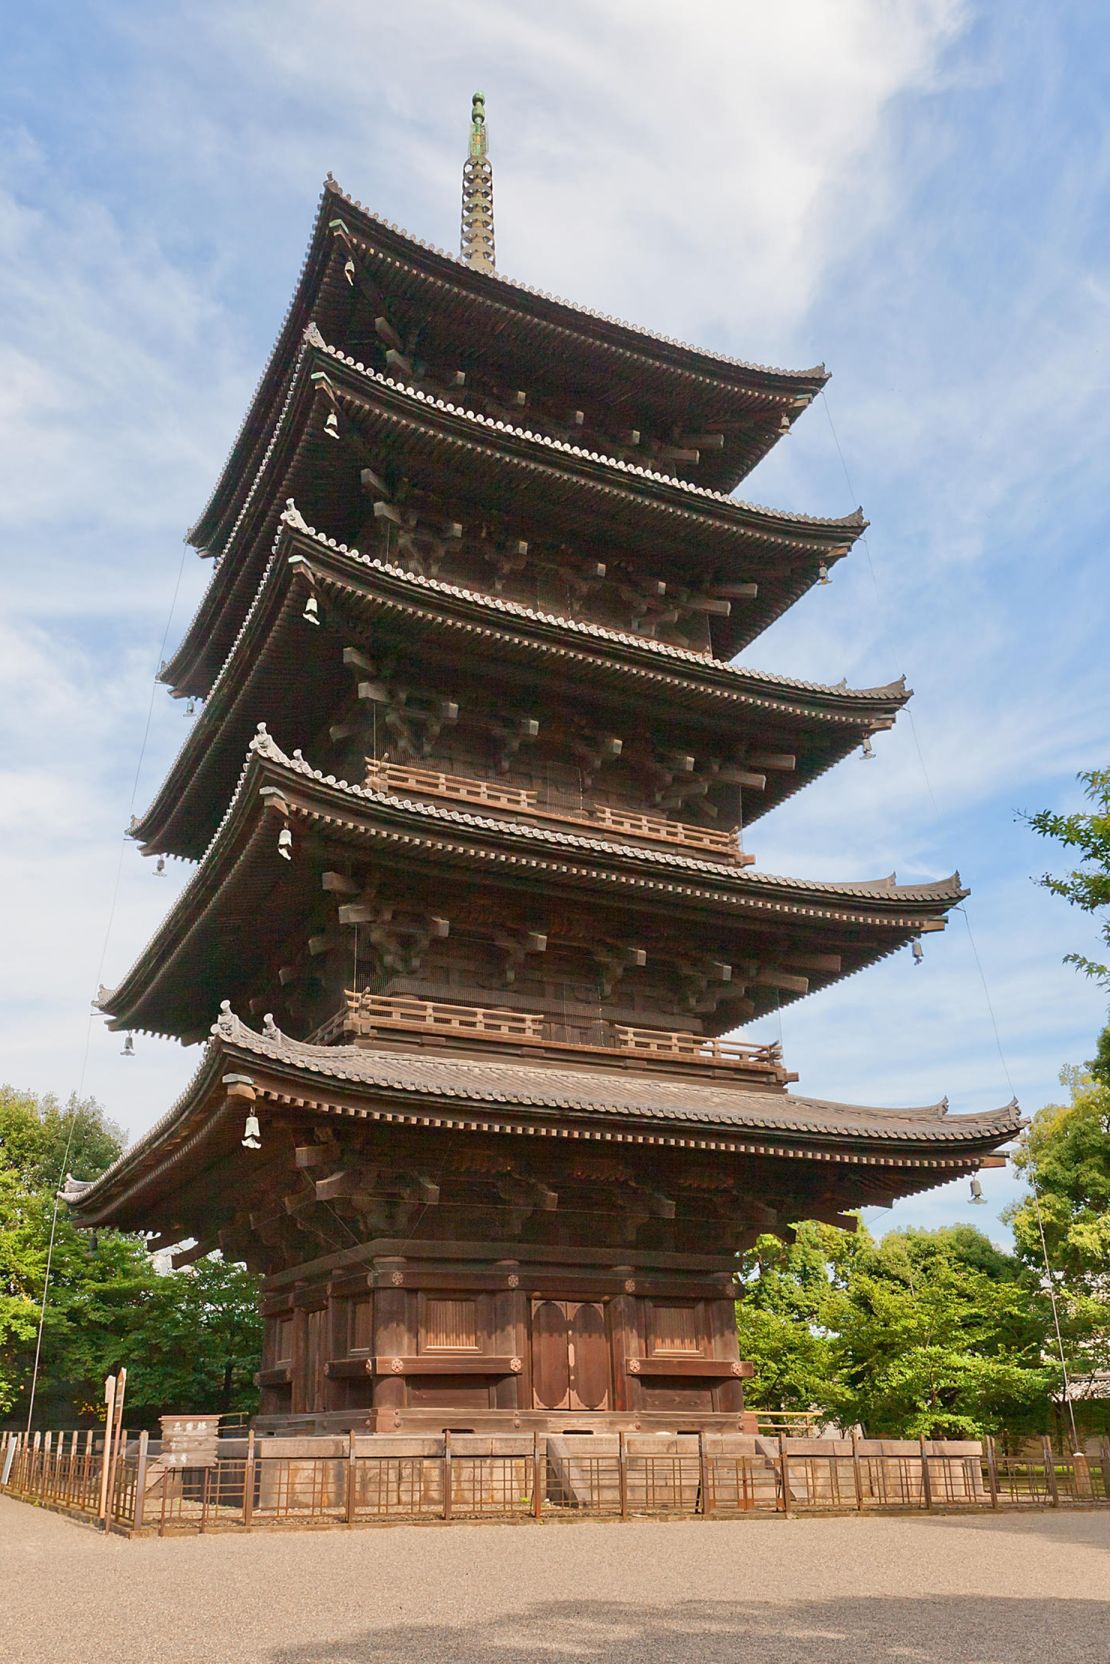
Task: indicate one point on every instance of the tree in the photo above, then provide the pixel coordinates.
(1087, 885)
(190, 1339)
(1065, 1155)
(941, 1333)
(934, 1332)
(782, 1315)
(197, 1341)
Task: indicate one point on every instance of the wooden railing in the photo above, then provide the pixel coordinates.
(368, 1014)
(428, 782)
(352, 1478)
(663, 1042)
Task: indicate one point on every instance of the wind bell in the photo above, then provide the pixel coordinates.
(128, 1047)
(311, 613)
(252, 1133)
(285, 844)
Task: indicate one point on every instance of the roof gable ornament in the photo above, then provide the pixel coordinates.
(476, 240)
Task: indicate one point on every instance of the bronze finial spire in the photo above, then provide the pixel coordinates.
(476, 243)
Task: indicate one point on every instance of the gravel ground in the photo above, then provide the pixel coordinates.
(945, 1590)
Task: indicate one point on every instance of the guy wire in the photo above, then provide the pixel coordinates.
(89, 1019)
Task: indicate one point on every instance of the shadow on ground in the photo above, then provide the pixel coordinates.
(943, 1630)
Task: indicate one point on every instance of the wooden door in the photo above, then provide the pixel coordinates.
(570, 1355)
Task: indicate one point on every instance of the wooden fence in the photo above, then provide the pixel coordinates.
(353, 1480)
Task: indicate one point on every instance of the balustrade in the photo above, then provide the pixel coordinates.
(426, 782)
(369, 1014)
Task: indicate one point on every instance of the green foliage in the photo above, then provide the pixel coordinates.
(1065, 1153)
(198, 1341)
(189, 1339)
(1087, 885)
(934, 1332)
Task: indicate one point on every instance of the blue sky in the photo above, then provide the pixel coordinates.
(913, 191)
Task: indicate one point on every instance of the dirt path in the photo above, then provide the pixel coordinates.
(1002, 1590)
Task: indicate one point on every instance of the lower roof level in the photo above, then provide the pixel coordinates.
(822, 1155)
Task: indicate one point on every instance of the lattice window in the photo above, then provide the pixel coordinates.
(674, 1329)
(450, 1326)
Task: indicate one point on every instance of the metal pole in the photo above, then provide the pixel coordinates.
(248, 1480)
(926, 1478)
(992, 1470)
(350, 1509)
(703, 1465)
(140, 1479)
(446, 1475)
(537, 1477)
(856, 1473)
(784, 1474)
(1050, 1471)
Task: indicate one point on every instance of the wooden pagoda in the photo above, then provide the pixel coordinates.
(475, 910)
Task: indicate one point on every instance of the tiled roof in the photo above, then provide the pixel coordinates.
(498, 280)
(886, 888)
(596, 632)
(609, 1096)
(853, 522)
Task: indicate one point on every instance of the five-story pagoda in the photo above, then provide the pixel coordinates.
(474, 910)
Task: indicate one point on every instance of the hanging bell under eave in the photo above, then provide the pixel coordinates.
(918, 950)
(311, 613)
(285, 844)
(823, 573)
(252, 1134)
(349, 269)
(160, 867)
(331, 426)
(128, 1047)
(868, 751)
(977, 1197)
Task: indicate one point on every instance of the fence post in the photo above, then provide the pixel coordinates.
(446, 1475)
(350, 1509)
(140, 1479)
(1050, 1471)
(992, 1470)
(703, 1466)
(856, 1473)
(784, 1474)
(537, 1477)
(926, 1478)
(87, 1469)
(622, 1473)
(248, 1481)
(109, 1403)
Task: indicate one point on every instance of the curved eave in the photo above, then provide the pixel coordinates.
(462, 455)
(433, 280)
(276, 658)
(207, 937)
(924, 1146)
